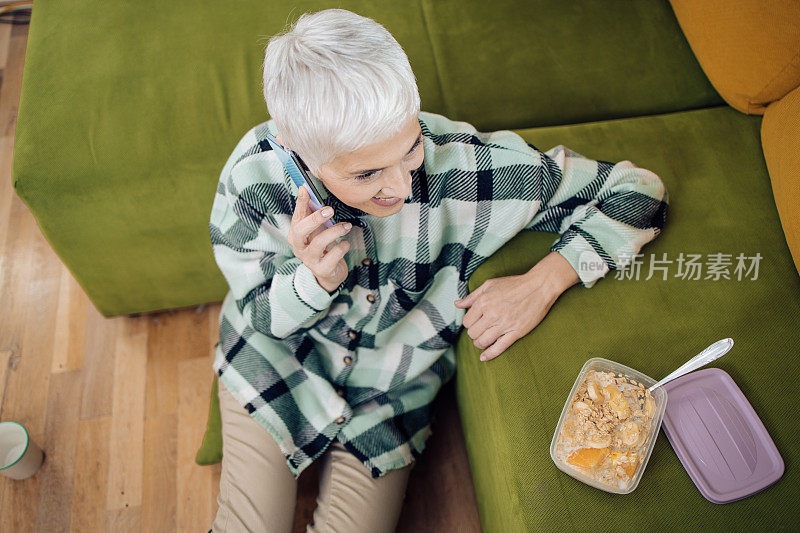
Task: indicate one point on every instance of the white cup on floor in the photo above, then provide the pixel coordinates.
(20, 457)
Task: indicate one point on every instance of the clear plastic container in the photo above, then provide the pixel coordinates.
(659, 396)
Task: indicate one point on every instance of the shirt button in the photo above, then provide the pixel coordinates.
(340, 392)
(366, 261)
(340, 420)
(371, 297)
(348, 359)
(353, 334)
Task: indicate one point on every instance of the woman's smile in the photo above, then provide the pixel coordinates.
(385, 202)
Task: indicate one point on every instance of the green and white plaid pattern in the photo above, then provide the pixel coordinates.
(312, 366)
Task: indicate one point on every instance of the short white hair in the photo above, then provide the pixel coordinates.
(337, 81)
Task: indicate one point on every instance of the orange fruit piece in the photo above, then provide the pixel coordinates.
(630, 467)
(587, 458)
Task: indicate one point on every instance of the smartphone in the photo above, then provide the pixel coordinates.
(297, 172)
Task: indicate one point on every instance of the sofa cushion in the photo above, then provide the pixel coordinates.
(720, 202)
(780, 132)
(507, 65)
(749, 50)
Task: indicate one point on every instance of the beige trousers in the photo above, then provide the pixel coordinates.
(257, 491)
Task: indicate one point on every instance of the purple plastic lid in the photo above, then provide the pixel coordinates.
(718, 437)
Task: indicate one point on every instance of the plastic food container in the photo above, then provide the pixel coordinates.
(646, 448)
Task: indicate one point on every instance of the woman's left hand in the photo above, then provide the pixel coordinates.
(502, 310)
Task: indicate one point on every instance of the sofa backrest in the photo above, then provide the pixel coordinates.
(516, 64)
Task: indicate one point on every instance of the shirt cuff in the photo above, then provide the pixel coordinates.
(583, 258)
(310, 291)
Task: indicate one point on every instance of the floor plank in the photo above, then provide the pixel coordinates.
(91, 475)
(127, 422)
(98, 364)
(70, 336)
(193, 480)
(60, 444)
(159, 500)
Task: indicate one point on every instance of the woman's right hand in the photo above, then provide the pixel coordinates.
(310, 241)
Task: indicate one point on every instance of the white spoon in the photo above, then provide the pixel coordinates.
(715, 351)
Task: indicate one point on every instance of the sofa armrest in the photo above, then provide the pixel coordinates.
(750, 51)
(780, 130)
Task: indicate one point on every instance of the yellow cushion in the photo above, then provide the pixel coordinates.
(750, 50)
(780, 131)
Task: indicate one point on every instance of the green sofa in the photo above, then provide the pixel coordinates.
(127, 115)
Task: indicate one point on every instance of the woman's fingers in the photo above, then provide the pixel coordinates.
(311, 222)
(479, 327)
(321, 241)
(300, 207)
(467, 300)
(502, 343)
(472, 315)
(304, 221)
(320, 254)
(486, 337)
(300, 212)
(332, 258)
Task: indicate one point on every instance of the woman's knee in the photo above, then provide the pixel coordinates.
(350, 499)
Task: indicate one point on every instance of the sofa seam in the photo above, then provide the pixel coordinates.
(615, 119)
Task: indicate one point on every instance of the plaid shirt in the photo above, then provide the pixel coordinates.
(364, 363)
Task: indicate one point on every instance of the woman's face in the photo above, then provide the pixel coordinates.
(381, 169)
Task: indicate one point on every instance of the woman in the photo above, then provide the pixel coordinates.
(335, 341)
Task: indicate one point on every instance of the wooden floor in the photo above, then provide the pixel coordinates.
(119, 405)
